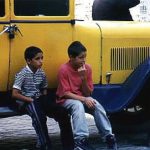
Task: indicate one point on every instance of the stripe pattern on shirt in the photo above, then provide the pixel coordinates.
(29, 83)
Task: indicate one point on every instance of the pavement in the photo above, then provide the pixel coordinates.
(17, 133)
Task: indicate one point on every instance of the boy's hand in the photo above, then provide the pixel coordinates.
(90, 102)
(30, 99)
(82, 68)
(82, 72)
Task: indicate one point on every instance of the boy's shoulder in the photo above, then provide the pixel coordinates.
(63, 66)
(24, 70)
(66, 68)
(88, 66)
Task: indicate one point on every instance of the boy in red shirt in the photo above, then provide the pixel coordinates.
(74, 93)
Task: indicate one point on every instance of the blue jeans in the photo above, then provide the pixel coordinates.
(80, 127)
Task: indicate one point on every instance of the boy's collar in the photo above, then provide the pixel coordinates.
(30, 69)
(71, 65)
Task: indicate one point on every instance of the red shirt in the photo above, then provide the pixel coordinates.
(70, 81)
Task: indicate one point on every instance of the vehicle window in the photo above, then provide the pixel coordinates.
(2, 8)
(41, 7)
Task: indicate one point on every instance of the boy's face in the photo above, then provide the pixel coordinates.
(36, 62)
(78, 61)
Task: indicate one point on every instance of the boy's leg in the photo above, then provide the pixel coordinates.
(80, 126)
(103, 124)
(39, 123)
(76, 110)
(101, 119)
(61, 115)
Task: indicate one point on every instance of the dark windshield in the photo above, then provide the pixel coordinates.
(41, 7)
(2, 8)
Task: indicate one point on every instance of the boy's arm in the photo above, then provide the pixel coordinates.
(86, 89)
(17, 95)
(44, 85)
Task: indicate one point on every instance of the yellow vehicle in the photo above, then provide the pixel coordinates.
(119, 53)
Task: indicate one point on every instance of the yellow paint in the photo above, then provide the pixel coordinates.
(54, 38)
(4, 52)
(121, 34)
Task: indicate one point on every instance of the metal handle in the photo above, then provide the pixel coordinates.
(11, 29)
(6, 29)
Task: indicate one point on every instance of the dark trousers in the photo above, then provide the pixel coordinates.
(39, 119)
(38, 110)
(60, 114)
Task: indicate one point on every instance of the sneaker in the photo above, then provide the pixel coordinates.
(111, 142)
(83, 144)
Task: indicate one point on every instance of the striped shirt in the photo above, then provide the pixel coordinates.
(30, 84)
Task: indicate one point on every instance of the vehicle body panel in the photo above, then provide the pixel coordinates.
(4, 49)
(125, 45)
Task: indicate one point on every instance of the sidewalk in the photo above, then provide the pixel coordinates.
(17, 133)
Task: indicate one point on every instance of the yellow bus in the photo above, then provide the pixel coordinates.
(118, 51)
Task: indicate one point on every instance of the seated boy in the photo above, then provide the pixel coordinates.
(30, 88)
(74, 93)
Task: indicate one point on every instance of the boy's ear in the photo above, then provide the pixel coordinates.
(28, 61)
(70, 56)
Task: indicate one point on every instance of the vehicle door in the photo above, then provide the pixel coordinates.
(43, 23)
(4, 44)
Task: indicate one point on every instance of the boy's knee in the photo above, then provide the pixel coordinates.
(78, 106)
(100, 108)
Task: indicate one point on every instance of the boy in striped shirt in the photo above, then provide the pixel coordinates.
(30, 89)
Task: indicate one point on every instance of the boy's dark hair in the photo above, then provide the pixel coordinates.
(76, 48)
(31, 52)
